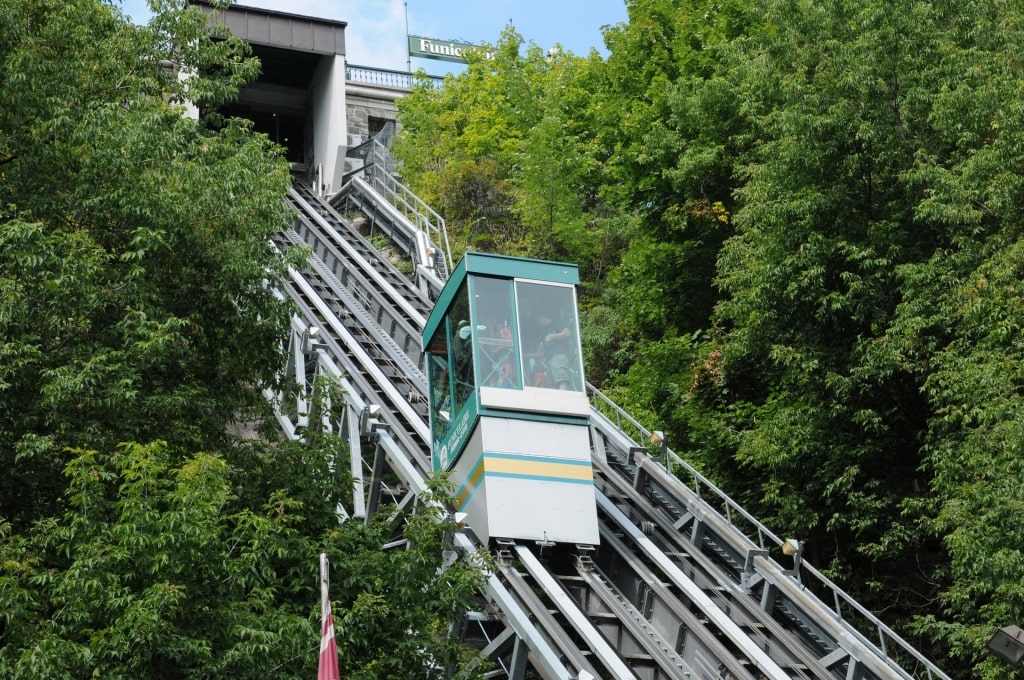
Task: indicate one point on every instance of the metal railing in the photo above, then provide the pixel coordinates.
(854, 616)
(380, 174)
(382, 77)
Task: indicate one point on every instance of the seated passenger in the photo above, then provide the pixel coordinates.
(554, 346)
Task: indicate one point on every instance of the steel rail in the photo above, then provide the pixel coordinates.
(750, 649)
(570, 610)
(361, 365)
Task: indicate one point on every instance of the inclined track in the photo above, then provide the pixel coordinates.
(668, 594)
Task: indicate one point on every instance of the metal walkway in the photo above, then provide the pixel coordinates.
(685, 583)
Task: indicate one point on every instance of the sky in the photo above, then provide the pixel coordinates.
(376, 31)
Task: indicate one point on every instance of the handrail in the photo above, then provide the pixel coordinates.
(882, 633)
(379, 173)
(378, 169)
(401, 80)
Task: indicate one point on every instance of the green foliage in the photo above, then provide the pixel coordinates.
(159, 566)
(966, 316)
(151, 566)
(133, 251)
(831, 427)
(813, 278)
(401, 596)
(508, 152)
(457, 140)
(133, 308)
(868, 209)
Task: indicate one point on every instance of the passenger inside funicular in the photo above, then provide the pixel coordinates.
(550, 348)
(461, 349)
(499, 366)
(440, 381)
(550, 340)
(497, 356)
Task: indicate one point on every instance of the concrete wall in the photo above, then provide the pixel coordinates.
(329, 136)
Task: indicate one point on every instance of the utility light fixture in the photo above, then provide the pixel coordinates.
(791, 547)
(1007, 643)
(659, 439)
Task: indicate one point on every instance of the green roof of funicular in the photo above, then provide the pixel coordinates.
(502, 266)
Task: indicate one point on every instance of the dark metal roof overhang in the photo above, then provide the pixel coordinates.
(280, 29)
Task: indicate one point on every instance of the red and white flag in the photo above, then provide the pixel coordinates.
(328, 669)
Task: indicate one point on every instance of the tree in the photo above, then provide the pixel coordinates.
(457, 143)
(506, 151)
(857, 351)
(138, 537)
(133, 250)
(818, 296)
(678, 140)
(824, 432)
(958, 326)
(159, 568)
(125, 582)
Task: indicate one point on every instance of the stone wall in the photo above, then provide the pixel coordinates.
(367, 107)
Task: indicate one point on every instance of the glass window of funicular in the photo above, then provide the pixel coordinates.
(460, 323)
(549, 335)
(450, 366)
(497, 358)
(439, 379)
